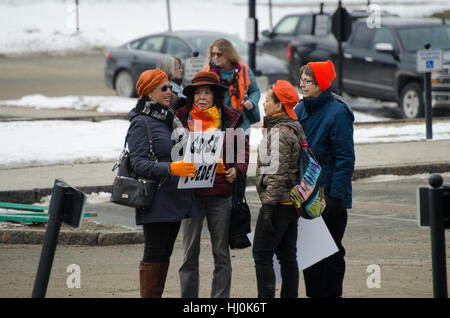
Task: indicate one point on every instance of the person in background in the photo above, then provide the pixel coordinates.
(162, 221)
(276, 172)
(242, 94)
(172, 66)
(205, 105)
(328, 125)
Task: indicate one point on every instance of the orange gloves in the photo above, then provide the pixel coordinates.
(220, 168)
(182, 169)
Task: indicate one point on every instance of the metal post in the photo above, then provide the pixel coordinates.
(437, 237)
(50, 242)
(427, 100)
(270, 14)
(340, 32)
(76, 15)
(168, 15)
(252, 45)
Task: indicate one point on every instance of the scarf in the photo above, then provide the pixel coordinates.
(210, 118)
(232, 82)
(166, 115)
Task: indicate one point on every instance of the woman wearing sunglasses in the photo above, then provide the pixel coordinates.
(162, 221)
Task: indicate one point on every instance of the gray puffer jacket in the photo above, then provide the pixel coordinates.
(278, 155)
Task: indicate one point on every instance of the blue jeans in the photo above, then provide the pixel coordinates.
(282, 242)
(217, 211)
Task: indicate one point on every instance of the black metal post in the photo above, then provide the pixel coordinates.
(427, 100)
(437, 237)
(76, 14)
(340, 32)
(252, 45)
(50, 242)
(270, 14)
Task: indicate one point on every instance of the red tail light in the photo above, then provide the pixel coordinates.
(289, 52)
(108, 55)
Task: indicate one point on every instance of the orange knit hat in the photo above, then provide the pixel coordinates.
(324, 73)
(287, 95)
(148, 80)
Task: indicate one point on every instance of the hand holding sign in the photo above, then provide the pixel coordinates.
(182, 169)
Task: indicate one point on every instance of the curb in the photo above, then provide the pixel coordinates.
(8, 236)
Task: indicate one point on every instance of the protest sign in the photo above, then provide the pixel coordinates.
(204, 149)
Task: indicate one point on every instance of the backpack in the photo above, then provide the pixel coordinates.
(308, 195)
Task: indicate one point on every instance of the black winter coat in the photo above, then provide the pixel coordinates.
(170, 204)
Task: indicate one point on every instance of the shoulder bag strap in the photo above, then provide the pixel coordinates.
(151, 152)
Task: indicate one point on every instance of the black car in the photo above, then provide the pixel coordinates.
(300, 26)
(125, 63)
(381, 62)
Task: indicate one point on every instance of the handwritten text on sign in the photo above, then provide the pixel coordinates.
(204, 149)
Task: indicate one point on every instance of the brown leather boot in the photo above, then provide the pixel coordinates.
(152, 278)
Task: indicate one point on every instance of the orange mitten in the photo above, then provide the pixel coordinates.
(182, 169)
(220, 168)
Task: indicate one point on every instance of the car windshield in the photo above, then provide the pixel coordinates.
(413, 39)
(202, 43)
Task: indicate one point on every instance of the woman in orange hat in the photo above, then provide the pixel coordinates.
(161, 222)
(205, 105)
(276, 173)
(328, 125)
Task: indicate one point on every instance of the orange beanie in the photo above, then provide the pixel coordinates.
(287, 95)
(148, 80)
(324, 73)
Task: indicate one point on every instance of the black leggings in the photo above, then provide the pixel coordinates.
(159, 241)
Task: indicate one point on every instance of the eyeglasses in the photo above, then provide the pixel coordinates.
(216, 54)
(306, 82)
(165, 87)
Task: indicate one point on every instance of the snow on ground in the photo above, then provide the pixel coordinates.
(28, 26)
(67, 142)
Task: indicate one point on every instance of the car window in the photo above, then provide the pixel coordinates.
(287, 26)
(202, 43)
(135, 44)
(383, 35)
(363, 37)
(305, 25)
(177, 47)
(152, 44)
(413, 39)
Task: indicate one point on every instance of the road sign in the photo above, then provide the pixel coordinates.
(428, 60)
(341, 24)
(192, 66)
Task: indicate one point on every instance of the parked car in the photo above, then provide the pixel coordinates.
(300, 26)
(380, 62)
(125, 63)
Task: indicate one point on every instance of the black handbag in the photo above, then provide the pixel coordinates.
(240, 217)
(127, 188)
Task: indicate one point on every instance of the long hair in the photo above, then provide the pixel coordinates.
(229, 51)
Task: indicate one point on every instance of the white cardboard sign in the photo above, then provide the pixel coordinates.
(314, 243)
(204, 149)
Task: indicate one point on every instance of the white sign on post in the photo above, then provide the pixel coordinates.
(428, 60)
(250, 27)
(192, 66)
(204, 149)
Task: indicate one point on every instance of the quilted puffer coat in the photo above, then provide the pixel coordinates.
(278, 155)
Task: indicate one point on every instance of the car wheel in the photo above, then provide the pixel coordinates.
(411, 101)
(124, 85)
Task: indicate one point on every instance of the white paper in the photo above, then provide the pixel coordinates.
(314, 243)
(204, 149)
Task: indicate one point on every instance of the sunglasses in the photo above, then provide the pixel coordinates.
(165, 87)
(216, 54)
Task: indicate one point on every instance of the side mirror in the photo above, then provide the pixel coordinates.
(195, 54)
(267, 33)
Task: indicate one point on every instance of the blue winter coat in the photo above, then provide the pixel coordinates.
(328, 125)
(170, 204)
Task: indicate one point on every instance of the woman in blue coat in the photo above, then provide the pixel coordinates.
(161, 222)
(328, 124)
